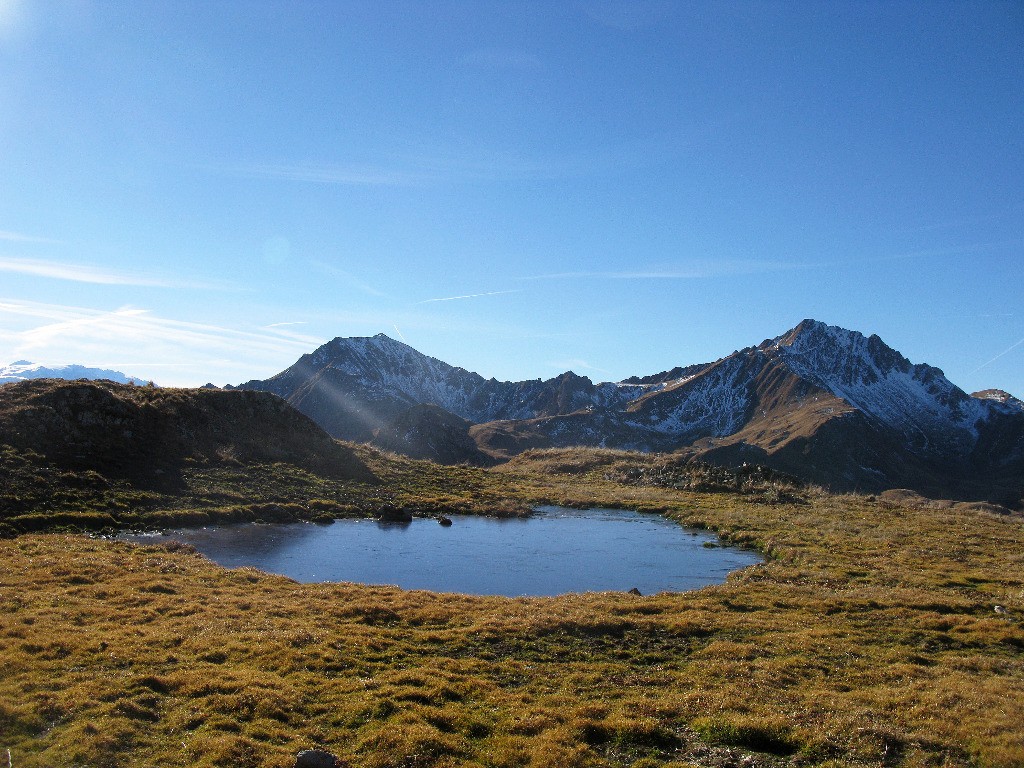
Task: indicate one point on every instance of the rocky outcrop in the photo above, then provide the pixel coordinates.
(316, 758)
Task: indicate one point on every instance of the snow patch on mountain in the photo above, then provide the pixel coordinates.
(875, 406)
(917, 400)
(1002, 401)
(384, 369)
(714, 403)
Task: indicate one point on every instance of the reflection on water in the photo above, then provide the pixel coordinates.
(556, 551)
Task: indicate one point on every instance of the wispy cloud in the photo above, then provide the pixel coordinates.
(953, 250)
(18, 237)
(85, 273)
(712, 268)
(345, 175)
(576, 364)
(467, 296)
(127, 323)
(284, 330)
(627, 15)
(428, 166)
(956, 222)
(503, 58)
(78, 273)
(58, 333)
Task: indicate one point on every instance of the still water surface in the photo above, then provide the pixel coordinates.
(555, 551)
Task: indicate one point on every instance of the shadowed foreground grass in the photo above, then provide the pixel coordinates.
(869, 639)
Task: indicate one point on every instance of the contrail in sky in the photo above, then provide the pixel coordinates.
(467, 296)
(1004, 352)
(689, 271)
(365, 175)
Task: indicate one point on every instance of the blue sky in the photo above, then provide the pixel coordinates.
(203, 191)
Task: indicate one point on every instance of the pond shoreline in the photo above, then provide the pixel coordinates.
(556, 550)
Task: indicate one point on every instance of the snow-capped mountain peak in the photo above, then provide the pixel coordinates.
(23, 369)
(917, 400)
(846, 407)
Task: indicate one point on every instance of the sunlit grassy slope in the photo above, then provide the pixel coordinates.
(869, 638)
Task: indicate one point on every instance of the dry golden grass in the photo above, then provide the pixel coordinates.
(868, 639)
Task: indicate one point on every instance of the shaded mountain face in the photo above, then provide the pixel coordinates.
(147, 433)
(430, 432)
(821, 402)
(354, 387)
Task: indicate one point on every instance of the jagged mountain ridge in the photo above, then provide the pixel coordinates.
(822, 402)
(917, 400)
(353, 387)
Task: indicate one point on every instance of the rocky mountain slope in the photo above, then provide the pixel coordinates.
(821, 402)
(23, 370)
(148, 433)
(354, 387)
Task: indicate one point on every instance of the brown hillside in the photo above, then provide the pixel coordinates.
(146, 433)
(432, 433)
(505, 439)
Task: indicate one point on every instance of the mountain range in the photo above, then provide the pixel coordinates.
(824, 403)
(23, 370)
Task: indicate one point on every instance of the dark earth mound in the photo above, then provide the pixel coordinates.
(145, 434)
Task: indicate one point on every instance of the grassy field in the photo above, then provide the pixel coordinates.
(868, 638)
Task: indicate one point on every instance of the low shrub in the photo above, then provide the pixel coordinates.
(747, 732)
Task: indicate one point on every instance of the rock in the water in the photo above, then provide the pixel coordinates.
(315, 758)
(392, 515)
(444, 521)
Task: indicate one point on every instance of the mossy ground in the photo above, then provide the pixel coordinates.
(869, 638)
(38, 495)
